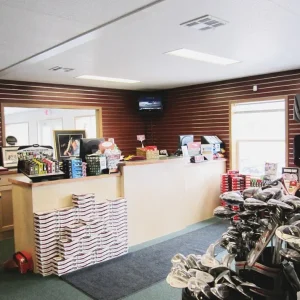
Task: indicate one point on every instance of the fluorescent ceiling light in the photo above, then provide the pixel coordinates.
(186, 53)
(91, 77)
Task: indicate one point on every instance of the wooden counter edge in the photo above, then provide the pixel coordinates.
(159, 161)
(26, 182)
(9, 172)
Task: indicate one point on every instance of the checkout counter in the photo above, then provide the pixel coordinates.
(163, 196)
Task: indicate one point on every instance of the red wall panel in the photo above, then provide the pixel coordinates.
(204, 109)
(120, 117)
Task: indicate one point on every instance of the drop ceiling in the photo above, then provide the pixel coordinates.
(128, 39)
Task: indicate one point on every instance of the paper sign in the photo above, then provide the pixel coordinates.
(194, 145)
(140, 137)
(184, 150)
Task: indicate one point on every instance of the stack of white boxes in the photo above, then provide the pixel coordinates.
(86, 234)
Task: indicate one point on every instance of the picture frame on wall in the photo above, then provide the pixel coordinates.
(9, 157)
(67, 143)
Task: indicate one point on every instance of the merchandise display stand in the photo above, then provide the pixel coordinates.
(261, 219)
(36, 162)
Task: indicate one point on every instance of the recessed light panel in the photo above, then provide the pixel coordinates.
(101, 78)
(186, 53)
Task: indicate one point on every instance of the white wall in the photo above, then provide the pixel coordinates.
(34, 116)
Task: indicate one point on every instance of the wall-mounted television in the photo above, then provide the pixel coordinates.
(150, 103)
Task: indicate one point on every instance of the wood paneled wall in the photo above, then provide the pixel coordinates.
(200, 109)
(120, 117)
(204, 109)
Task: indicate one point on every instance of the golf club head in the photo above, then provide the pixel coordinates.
(253, 224)
(179, 259)
(220, 291)
(237, 280)
(224, 213)
(264, 222)
(273, 204)
(227, 260)
(247, 214)
(293, 203)
(290, 255)
(205, 291)
(290, 197)
(211, 249)
(191, 261)
(209, 261)
(205, 277)
(250, 192)
(253, 204)
(220, 278)
(244, 227)
(243, 293)
(230, 238)
(194, 285)
(293, 219)
(176, 282)
(216, 271)
(269, 193)
(289, 234)
(232, 198)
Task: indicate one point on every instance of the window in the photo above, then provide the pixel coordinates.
(258, 135)
(20, 131)
(45, 131)
(88, 123)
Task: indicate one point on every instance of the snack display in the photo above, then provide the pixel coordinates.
(72, 168)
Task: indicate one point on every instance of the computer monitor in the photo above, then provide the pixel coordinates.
(184, 140)
(89, 146)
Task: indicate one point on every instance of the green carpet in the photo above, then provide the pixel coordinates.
(15, 286)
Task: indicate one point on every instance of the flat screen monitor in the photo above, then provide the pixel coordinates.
(185, 139)
(89, 146)
(150, 103)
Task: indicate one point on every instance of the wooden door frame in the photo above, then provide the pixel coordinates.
(285, 98)
(98, 114)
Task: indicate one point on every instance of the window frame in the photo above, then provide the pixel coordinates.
(233, 145)
(98, 113)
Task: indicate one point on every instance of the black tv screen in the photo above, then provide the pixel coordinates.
(150, 103)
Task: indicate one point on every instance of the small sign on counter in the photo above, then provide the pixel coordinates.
(197, 159)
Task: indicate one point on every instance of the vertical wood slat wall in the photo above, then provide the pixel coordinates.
(120, 118)
(204, 109)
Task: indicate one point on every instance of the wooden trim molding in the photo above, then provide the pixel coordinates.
(98, 114)
(233, 145)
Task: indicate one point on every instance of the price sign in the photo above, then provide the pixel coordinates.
(140, 137)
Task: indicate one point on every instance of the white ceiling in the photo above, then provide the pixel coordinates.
(262, 34)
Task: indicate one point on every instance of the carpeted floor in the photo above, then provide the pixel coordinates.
(34, 287)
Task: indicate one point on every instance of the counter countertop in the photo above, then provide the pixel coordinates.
(167, 160)
(26, 182)
(9, 172)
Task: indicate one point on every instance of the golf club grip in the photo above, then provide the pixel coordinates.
(291, 275)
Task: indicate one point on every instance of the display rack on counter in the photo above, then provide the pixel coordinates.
(37, 163)
(96, 164)
(112, 158)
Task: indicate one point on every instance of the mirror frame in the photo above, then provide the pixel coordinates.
(98, 114)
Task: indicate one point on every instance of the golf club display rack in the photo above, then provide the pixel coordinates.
(90, 232)
(262, 245)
